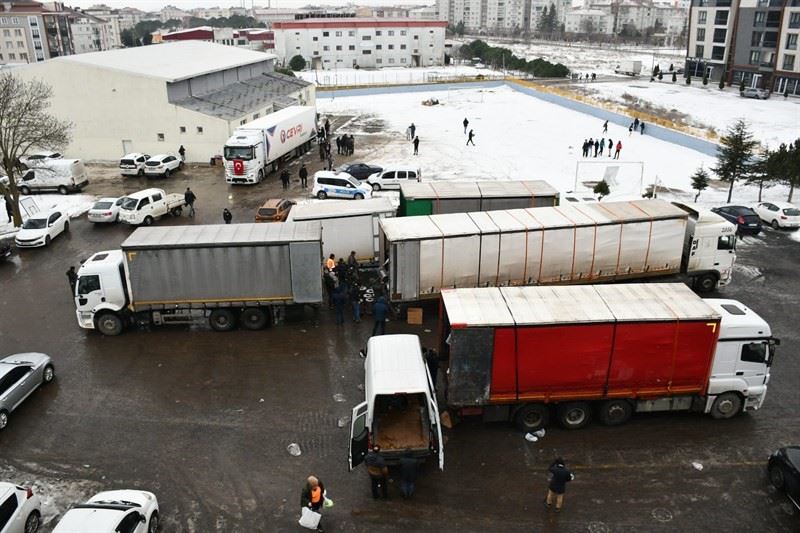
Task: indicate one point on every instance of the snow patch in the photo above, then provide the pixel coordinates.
(73, 204)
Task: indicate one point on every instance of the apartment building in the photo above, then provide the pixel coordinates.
(30, 33)
(589, 21)
(257, 39)
(94, 34)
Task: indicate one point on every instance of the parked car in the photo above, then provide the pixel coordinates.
(133, 164)
(274, 210)
(148, 205)
(752, 92)
(104, 210)
(20, 375)
(339, 185)
(60, 175)
(5, 250)
(784, 472)
(392, 177)
(114, 511)
(778, 214)
(746, 220)
(36, 157)
(41, 228)
(162, 165)
(20, 509)
(360, 171)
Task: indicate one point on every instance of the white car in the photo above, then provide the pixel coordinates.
(392, 177)
(105, 210)
(329, 184)
(133, 164)
(114, 511)
(41, 228)
(162, 165)
(31, 159)
(778, 214)
(20, 509)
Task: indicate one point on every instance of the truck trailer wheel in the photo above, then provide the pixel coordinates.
(222, 320)
(727, 405)
(254, 318)
(615, 412)
(574, 415)
(705, 283)
(109, 324)
(532, 416)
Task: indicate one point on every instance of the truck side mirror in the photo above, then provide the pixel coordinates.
(363, 354)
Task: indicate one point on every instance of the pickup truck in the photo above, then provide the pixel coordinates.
(144, 207)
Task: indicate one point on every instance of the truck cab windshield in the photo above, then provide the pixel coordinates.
(238, 152)
(726, 242)
(128, 203)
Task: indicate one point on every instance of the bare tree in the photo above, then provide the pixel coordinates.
(25, 124)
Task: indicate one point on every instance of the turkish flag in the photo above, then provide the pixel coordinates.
(238, 167)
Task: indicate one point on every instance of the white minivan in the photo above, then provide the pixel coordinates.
(392, 176)
(133, 164)
(61, 175)
(400, 413)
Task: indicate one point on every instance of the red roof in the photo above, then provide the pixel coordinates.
(187, 35)
(350, 22)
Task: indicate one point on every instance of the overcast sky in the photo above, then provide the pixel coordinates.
(155, 5)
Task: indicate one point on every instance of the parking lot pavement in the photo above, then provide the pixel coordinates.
(203, 419)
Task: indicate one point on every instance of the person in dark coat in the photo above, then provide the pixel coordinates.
(339, 145)
(416, 145)
(189, 198)
(330, 286)
(605, 127)
(72, 276)
(182, 153)
(351, 144)
(610, 146)
(409, 471)
(9, 209)
(589, 148)
(602, 144)
(560, 476)
(585, 147)
(330, 161)
(641, 127)
(413, 130)
(466, 123)
(378, 473)
(339, 302)
(630, 129)
(285, 178)
(596, 147)
(471, 135)
(327, 128)
(636, 123)
(227, 216)
(303, 176)
(380, 310)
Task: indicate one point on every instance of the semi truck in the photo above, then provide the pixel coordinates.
(528, 354)
(258, 147)
(347, 226)
(568, 244)
(216, 274)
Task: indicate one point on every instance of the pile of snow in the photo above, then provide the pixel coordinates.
(74, 204)
(395, 76)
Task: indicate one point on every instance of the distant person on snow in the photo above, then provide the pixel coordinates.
(630, 129)
(416, 145)
(636, 123)
(641, 127)
(471, 135)
(619, 149)
(610, 146)
(605, 127)
(413, 129)
(466, 123)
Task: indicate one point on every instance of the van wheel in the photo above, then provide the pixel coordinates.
(615, 412)
(24, 190)
(574, 415)
(3, 419)
(47, 240)
(358, 196)
(109, 324)
(376, 187)
(727, 405)
(322, 195)
(49, 374)
(221, 320)
(705, 283)
(63, 190)
(532, 417)
(254, 318)
(776, 477)
(152, 527)
(148, 220)
(166, 173)
(66, 226)
(140, 173)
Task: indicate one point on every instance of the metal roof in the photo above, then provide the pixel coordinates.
(408, 228)
(477, 189)
(222, 235)
(340, 208)
(631, 302)
(556, 305)
(476, 307)
(498, 188)
(394, 364)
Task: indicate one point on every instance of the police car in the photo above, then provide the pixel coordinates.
(329, 184)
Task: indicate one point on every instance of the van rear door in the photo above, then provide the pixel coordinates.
(359, 435)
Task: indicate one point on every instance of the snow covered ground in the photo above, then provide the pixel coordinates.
(394, 76)
(74, 204)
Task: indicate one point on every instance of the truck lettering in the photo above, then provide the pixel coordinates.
(291, 132)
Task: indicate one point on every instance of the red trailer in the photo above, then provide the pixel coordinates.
(520, 353)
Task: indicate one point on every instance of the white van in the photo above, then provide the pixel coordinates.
(133, 164)
(391, 177)
(400, 412)
(62, 175)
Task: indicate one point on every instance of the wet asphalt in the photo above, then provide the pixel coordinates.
(203, 419)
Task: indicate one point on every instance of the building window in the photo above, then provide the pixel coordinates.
(297, 33)
(402, 59)
(4, 20)
(718, 53)
(416, 37)
(6, 33)
(255, 116)
(402, 47)
(160, 137)
(755, 57)
(391, 60)
(183, 129)
(701, 17)
(351, 33)
(788, 62)
(12, 57)
(720, 34)
(14, 21)
(20, 44)
(326, 48)
(338, 34)
(366, 52)
(316, 52)
(770, 39)
(366, 37)
(338, 47)
(242, 122)
(199, 130)
(378, 33)
(756, 39)
(699, 50)
(379, 61)
(378, 47)
(701, 34)
(721, 18)
(760, 18)
(403, 33)
(351, 47)
(390, 33)
(391, 47)
(326, 34)
(794, 20)
(23, 56)
(791, 41)
(315, 38)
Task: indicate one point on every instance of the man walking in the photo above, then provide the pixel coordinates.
(416, 145)
(378, 473)
(471, 135)
(227, 216)
(9, 209)
(189, 198)
(330, 161)
(466, 123)
(619, 149)
(610, 146)
(605, 127)
(327, 128)
(641, 127)
(339, 301)
(182, 153)
(560, 476)
(303, 176)
(409, 470)
(285, 178)
(72, 276)
(413, 129)
(379, 311)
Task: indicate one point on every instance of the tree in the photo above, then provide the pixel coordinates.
(541, 24)
(602, 189)
(735, 154)
(128, 38)
(784, 165)
(700, 181)
(460, 28)
(297, 63)
(25, 124)
(674, 76)
(763, 171)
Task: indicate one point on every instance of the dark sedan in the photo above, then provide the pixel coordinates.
(784, 472)
(746, 220)
(359, 171)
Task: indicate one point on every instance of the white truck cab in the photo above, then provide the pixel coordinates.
(101, 286)
(709, 248)
(400, 412)
(144, 207)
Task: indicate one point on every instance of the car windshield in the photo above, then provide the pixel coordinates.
(267, 211)
(128, 203)
(353, 181)
(153, 162)
(127, 162)
(792, 212)
(102, 205)
(239, 152)
(35, 223)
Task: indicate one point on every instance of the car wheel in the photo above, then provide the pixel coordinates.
(322, 195)
(49, 374)
(775, 224)
(166, 173)
(66, 225)
(109, 324)
(63, 190)
(32, 523)
(776, 477)
(254, 318)
(47, 240)
(376, 187)
(705, 283)
(615, 412)
(3, 419)
(222, 320)
(24, 190)
(152, 527)
(359, 196)
(140, 173)
(727, 405)
(574, 415)
(148, 220)
(532, 417)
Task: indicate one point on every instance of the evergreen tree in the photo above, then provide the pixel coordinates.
(785, 165)
(734, 155)
(541, 24)
(700, 181)
(298, 62)
(763, 171)
(602, 189)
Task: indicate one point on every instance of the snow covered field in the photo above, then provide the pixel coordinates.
(394, 76)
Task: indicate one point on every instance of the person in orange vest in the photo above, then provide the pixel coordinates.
(313, 496)
(330, 263)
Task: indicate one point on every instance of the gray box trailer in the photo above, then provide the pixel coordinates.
(441, 197)
(547, 245)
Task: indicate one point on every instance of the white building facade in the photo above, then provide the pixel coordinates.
(589, 21)
(94, 34)
(365, 43)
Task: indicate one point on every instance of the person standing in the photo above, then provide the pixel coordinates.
(72, 276)
(560, 476)
(303, 176)
(330, 286)
(413, 129)
(285, 178)
(610, 146)
(602, 144)
(9, 209)
(618, 150)
(378, 473)
(380, 309)
(189, 198)
(605, 127)
(596, 147)
(585, 147)
(355, 301)
(466, 123)
(327, 128)
(339, 145)
(351, 144)
(330, 263)
(182, 153)
(352, 260)
(339, 301)
(330, 161)
(471, 135)
(641, 127)
(313, 496)
(636, 123)
(227, 216)
(416, 145)
(630, 129)
(409, 471)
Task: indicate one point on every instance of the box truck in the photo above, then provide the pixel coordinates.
(347, 226)
(629, 68)
(219, 274)
(568, 244)
(399, 413)
(527, 354)
(256, 148)
(440, 197)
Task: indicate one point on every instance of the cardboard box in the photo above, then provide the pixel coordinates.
(415, 316)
